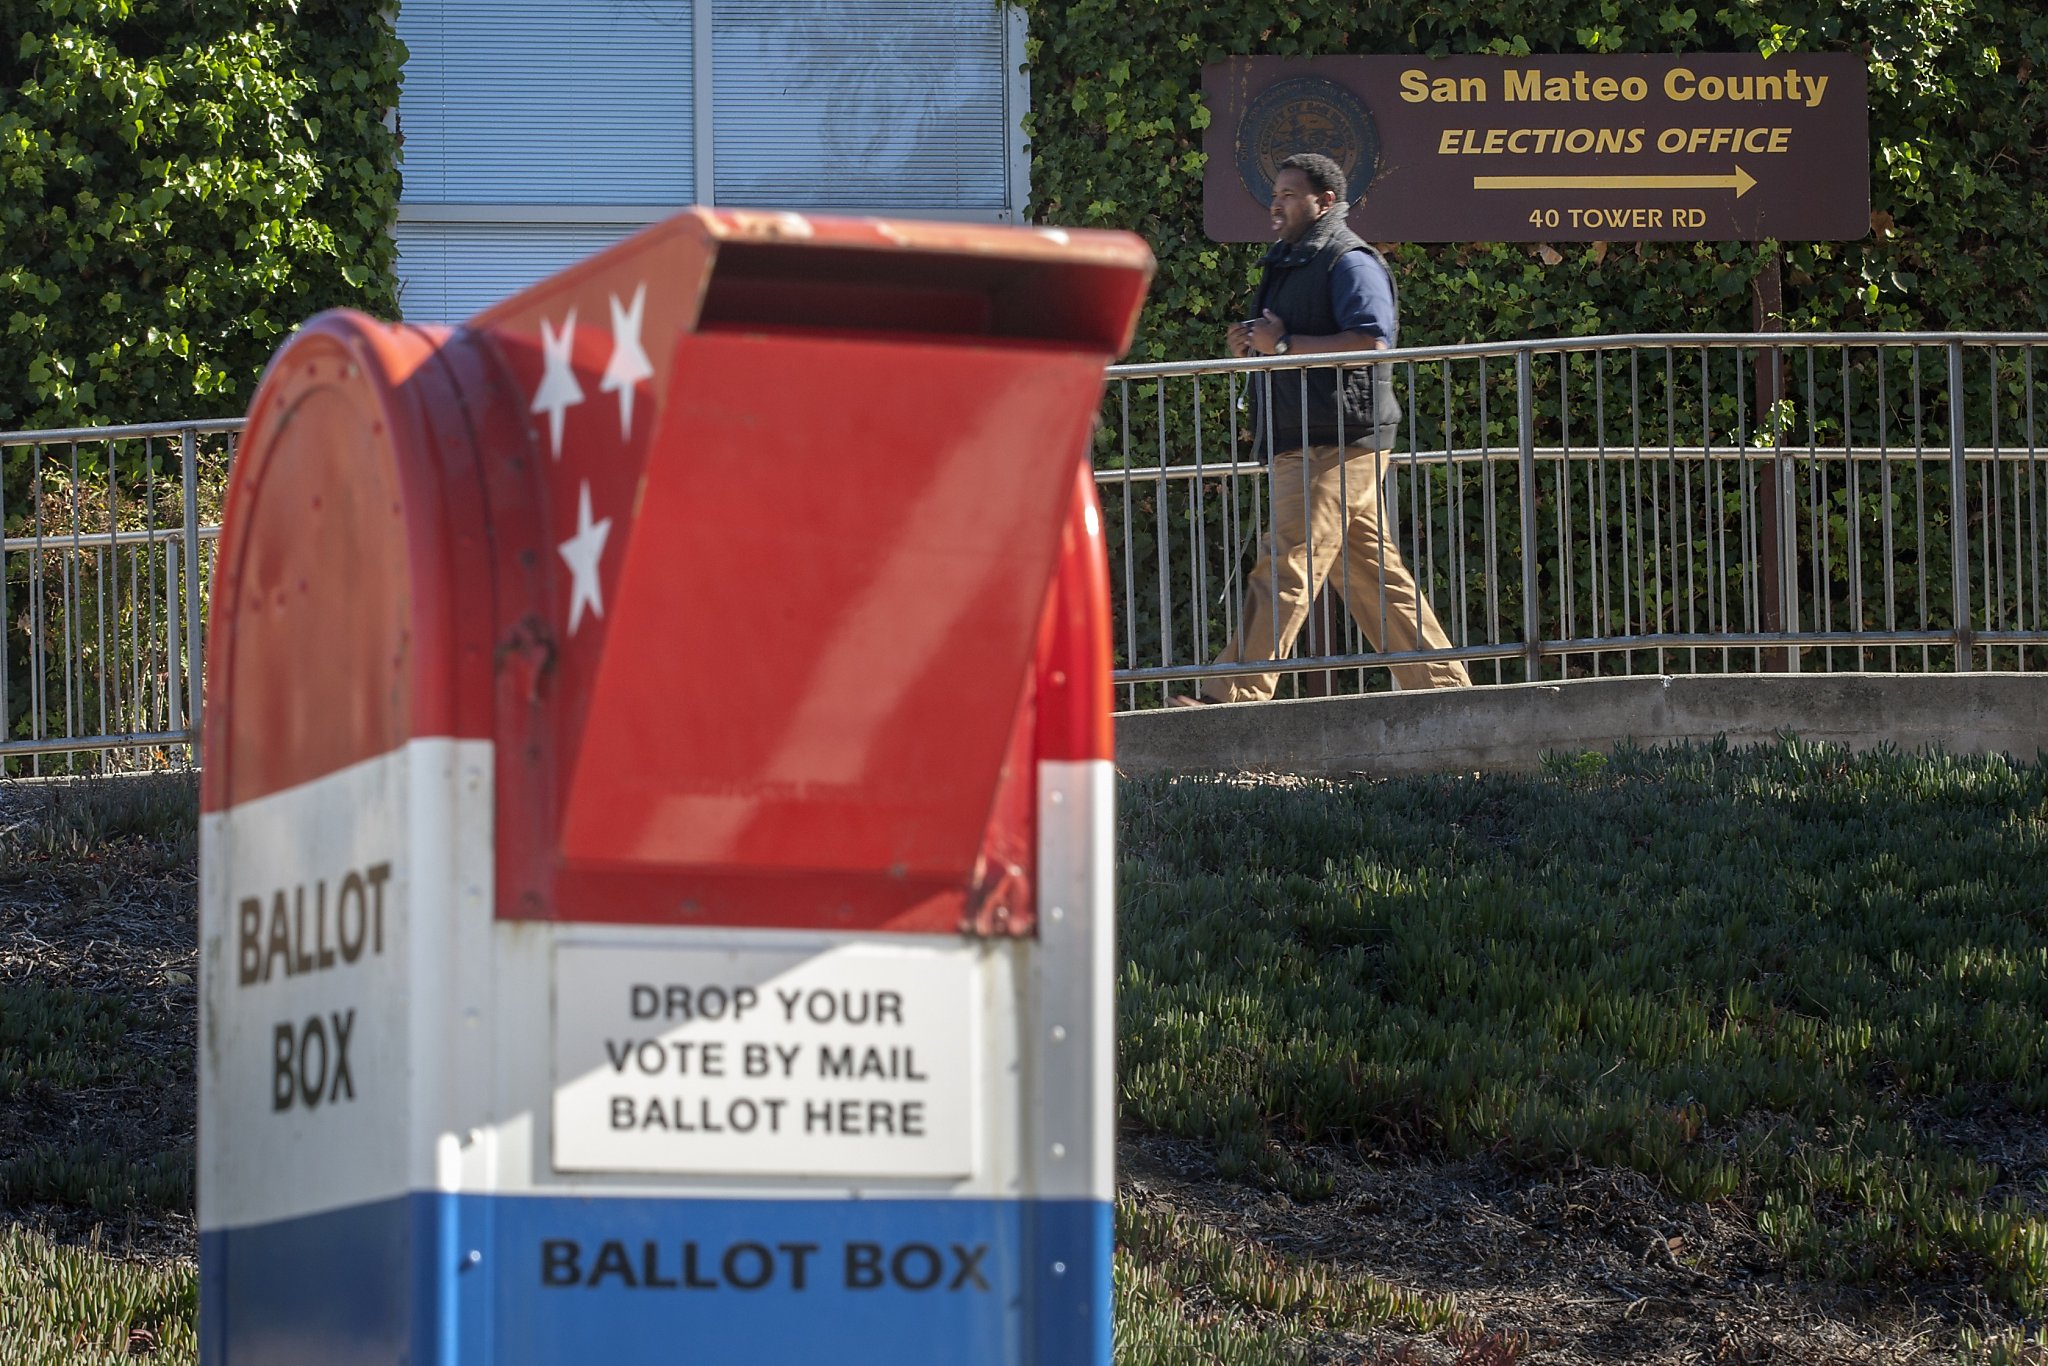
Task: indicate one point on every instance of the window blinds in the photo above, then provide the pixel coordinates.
(525, 122)
(860, 104)
(539, 102)
(452, 271)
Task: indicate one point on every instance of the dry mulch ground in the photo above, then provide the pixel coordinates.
(1595, 1266)
(116, 918)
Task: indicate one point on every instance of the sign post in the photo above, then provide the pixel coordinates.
(656, 845)
(1773, 534)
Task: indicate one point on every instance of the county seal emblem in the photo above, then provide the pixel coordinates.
(1305, 114)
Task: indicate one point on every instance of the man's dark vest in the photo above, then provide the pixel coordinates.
(1295, 284)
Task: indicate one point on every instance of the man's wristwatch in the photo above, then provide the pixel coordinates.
(1284, 345)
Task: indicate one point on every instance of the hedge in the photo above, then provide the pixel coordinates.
(184, 181)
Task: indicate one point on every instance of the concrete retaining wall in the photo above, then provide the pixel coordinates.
(1512, 727)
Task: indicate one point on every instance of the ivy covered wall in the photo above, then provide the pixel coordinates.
(1958, 135)
(182, 182)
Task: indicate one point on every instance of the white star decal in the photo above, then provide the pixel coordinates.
(581, 553)
(629, 364)
(559, 390)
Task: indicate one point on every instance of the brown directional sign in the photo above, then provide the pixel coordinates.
(1692, 147)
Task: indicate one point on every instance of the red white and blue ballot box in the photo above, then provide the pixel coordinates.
(656, 852)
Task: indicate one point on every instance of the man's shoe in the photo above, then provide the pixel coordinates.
(1196, 700)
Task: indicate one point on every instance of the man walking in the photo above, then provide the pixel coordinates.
(1322, 290)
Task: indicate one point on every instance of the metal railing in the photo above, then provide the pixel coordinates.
(1605, 505)
(1569, 508)
(107, 547)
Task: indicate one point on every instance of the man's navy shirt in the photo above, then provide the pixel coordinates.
(1363, 297)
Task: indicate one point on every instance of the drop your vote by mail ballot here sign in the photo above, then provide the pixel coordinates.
(760, 1060)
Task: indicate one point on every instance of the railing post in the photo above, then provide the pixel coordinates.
(1787, 551)
(1525, 421)
(188, 446)
(4, 712)
(174, 705)
(1162, 533)
(1958, 510)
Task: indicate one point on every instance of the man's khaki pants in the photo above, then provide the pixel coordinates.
(1331, 506)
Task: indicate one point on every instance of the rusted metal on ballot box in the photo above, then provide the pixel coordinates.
(657, 815)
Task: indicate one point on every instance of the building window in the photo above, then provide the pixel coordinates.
(537, 133)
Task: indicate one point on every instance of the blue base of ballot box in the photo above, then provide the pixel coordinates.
(466, 1280)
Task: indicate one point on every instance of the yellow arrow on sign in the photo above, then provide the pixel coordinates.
(1740, 182)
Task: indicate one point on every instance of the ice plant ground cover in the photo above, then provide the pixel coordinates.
(97, 1068)
(1677, 1055)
